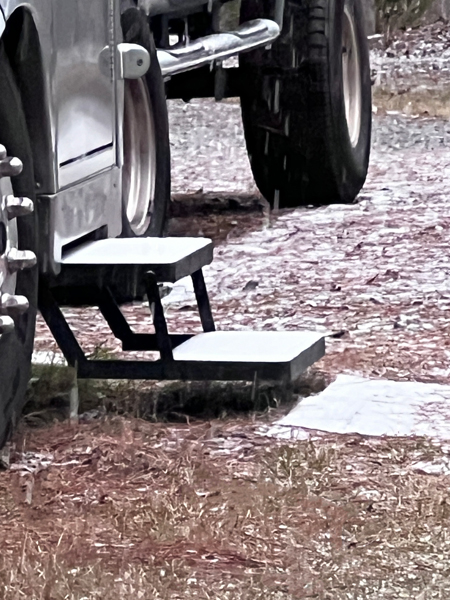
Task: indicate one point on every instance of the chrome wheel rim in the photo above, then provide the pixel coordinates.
(139, 169)
(351, 76)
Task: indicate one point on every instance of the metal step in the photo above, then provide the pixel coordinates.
(219, 356)
(212, 355)
(169, 258)
(236, 355)
(217, 47)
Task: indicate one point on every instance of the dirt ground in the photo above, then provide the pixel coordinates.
(116, 505)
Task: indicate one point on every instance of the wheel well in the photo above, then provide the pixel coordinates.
(22, 46)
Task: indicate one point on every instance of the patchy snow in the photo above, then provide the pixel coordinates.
(439, 466)
(48, 357)
(372, 407)
(415, 60)
(181, 294)
(375, 274)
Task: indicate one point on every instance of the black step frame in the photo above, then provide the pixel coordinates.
(166, 368)
(160, 341)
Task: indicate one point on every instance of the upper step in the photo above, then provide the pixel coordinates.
(217, 47)
(169, 258)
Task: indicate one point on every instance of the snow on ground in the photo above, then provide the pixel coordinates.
(418, 59)
(371, 407)
(374, 274)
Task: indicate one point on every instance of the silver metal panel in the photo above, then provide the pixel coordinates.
(218, 46)
(247, 346)
(82, 114)
(80, 210)
(72, 35)
(82, 169)
(85, 99)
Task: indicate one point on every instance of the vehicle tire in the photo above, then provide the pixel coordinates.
(146, 170)
(306, 103)
(16, 346)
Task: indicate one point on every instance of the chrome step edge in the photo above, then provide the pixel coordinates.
(218, 47)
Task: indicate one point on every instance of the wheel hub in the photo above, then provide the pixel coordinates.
(12, 259)
(351, 75)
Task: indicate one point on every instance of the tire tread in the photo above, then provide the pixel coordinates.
(305, 96)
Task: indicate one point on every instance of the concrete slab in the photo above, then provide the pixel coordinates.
(353, 404)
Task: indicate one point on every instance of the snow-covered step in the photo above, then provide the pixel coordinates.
(169, 258)
(235, 355)
(212, 355)
(221, 356)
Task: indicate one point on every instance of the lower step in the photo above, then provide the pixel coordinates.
(222, 356)
(272, 354)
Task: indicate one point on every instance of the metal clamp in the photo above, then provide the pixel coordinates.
(134, 61)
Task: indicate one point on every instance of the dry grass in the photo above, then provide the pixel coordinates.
(48, 396)
(392, 15)
(424, 102)
(125, 508)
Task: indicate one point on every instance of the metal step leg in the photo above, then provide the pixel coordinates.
(131, 341)
(216, 355)
(204, 307)
(59, 327)
(96, 369)
(159, 320)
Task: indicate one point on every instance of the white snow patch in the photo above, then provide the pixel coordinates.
(371, 407)
(182, 293)
(48, 358)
